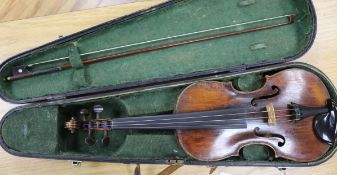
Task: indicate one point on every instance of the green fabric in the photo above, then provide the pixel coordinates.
(79, 78)
(74, 57)
(151, 147)
(249, 82)
(32, 130)
(255, 153)
(182, 17)
(244, 3)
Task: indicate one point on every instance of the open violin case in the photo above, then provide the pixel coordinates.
(149, 83)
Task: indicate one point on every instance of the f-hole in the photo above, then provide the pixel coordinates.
(275, 92)
(279, 137)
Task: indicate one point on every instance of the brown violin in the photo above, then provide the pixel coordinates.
(292, 114)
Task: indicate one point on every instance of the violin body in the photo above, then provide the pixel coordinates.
(287, 139)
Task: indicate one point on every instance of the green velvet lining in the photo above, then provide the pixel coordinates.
(33, 130)
(40, 130)
(182, 17)
(249, 82)
(79, 78)
(255, 153)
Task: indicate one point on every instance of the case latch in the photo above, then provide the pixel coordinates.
(75, 163)
(282, 170)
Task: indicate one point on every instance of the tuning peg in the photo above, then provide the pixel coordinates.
(84, 113)
(90, 140)
(98, 109)
(106, 139)
(71, 125)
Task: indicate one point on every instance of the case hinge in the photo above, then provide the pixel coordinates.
(238, 69)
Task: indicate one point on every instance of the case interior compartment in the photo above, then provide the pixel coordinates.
(259, 48)
(39, 130)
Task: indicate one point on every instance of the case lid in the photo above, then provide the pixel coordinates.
(173, 40)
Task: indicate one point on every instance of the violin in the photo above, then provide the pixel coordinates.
(292, 114)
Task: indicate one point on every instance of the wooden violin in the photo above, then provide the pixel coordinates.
(292, 114)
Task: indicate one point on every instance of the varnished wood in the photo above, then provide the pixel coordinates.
(295, 85)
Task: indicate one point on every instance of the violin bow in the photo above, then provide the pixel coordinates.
(22, 72)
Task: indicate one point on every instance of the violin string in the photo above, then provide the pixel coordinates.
(163, 39)
(149, 124)
(205, 116)
(257, 112)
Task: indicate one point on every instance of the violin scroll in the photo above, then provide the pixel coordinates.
(97, 124)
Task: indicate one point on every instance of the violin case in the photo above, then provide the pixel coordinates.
(149, 83)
